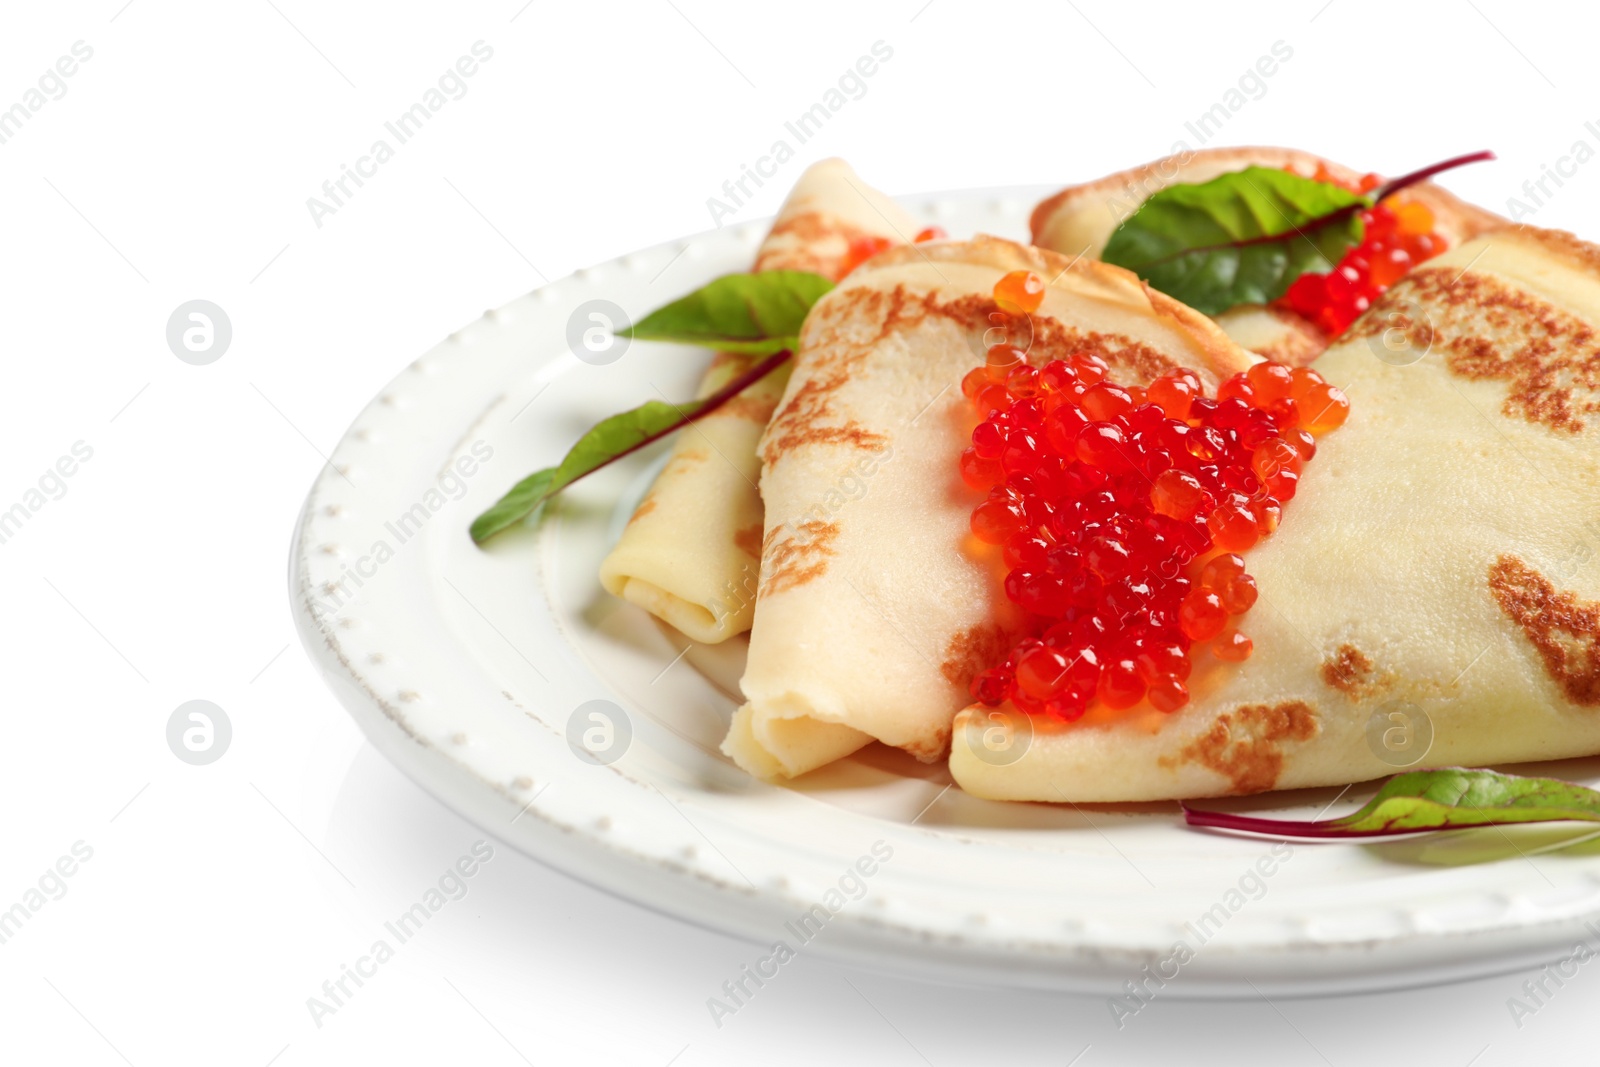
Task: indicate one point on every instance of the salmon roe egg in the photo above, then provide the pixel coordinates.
(1168, 695)
(1120, 685)
(1326, 408)
(1174, 393)
(862, 249)
(1274, 457)
(1220, 570)
(1234, 525)
(1269, 381)
(1002, 359)
(1413, 219)
(1239, 595)
(1232, 647)
(1202, 615)
(1176, 494)
(978, 471)
(1020, 292)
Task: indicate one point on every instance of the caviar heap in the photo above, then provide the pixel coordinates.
(1121, 512)
(1398, 234)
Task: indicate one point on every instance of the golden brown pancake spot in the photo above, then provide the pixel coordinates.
(1046, 338)
(1349, 671)
(1564, 630)
(932, 749)
(839, 336)
(795, 555)
(813, 226)
(1246, 745)
(646, 506)
(971, 650)
(748, 540)
(684, 461)
(1486, 329)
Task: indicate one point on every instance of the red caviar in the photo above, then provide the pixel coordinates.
(1232, 647)
(1120, 522)
(1020, 292)
(1397, 235)
(862, 249)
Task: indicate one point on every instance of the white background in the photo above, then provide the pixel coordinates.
(177, 166)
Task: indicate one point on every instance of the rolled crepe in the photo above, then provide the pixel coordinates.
(689, 554)
(1436, 575)
(1080, 219)
(876, 604)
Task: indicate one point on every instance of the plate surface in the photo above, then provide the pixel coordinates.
(472, 669)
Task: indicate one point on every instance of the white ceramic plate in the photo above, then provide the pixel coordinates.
(467, 668)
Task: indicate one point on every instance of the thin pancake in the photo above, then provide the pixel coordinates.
(876, 605)
(1436, 574)
(689, 554)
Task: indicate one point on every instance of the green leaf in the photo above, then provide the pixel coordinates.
(755, 314)
(608, 441)
(1451, 798)
(1240, 238)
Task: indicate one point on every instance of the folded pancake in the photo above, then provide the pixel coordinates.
(1436, 574)
(1080, 219)
(876, 603)
(689, 554)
